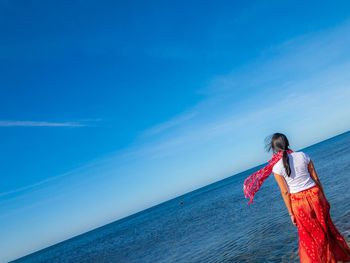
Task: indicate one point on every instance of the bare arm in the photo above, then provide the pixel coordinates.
(286, 195)
(314, 175)
(284, 191)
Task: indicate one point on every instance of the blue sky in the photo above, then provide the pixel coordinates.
(109, 108)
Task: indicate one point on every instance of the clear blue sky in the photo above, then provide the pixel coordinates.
(108, 108)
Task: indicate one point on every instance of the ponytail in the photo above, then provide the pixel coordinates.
(285, 159)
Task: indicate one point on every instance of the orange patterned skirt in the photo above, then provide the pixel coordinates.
(319, 239)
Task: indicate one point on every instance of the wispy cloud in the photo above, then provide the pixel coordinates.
(26, 123)
(307, 70)
(176, 121)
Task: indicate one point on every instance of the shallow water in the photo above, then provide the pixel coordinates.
(214, 223)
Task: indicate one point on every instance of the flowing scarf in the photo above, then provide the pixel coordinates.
(254, 181)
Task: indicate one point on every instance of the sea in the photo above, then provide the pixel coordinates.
(214, 223)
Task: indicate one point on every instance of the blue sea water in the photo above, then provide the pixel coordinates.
(214, 223)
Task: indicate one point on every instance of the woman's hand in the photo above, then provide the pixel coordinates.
(294, 221)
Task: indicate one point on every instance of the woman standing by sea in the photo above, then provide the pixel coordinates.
(304, 197)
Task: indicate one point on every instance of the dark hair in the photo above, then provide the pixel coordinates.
(279, 142)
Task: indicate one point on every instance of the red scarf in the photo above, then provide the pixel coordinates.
(254, 181)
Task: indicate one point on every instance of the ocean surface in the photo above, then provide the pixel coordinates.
(214, 223)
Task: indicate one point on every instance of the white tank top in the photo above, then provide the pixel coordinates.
(299, 178)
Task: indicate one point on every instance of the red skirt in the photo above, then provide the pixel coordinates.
(319, 239)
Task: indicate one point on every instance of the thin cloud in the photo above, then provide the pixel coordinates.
(176, 121)
(23, 123)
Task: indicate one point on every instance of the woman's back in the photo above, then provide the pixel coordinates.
(299, 178)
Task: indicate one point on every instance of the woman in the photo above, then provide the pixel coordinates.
(304, 197)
